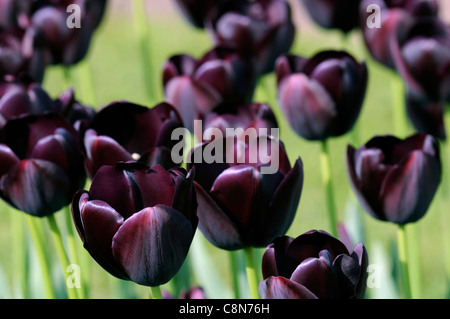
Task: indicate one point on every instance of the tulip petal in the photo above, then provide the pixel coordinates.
(152, 244)
(283, 288)
(99, 222)
(215, 224)
(36, 187)
(7, 159)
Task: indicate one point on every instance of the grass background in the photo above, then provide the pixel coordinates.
(114, 64)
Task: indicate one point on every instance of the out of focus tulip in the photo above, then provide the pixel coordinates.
(138, 222)
(197, 12)
(334, 14)
(239, 206)
(41, 164)
(262, 29)
(321, 97)
(75, 112)
(314, 265)
(124, 131)
(221, 79)
(396, 180)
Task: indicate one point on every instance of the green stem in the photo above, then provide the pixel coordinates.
(326, 177)
(61, 252)
(235, 270)
(73, 252)
(143, 38)
(403, 255)
(252, 276)
(156, 292)
(39, 244)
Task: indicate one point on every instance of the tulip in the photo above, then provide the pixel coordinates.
(314, 265)
(124, 131)
(49, 30)
(41, 164)
(221, 79)
(321, 97)
(262, 29)
(137, 222)
(396, 180)
(76, 113)
(240, 207)
(23, 96)
(334, 14)
(197, 11)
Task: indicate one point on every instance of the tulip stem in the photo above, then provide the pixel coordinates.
(252, 276)
(156, 292)
(61, 252)
(403, 255)
(326, 177)
(39, 244)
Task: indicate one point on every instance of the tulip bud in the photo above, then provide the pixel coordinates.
(395, 180)
(42, 164)
(321, 97)
(314, 265)
(138, 222)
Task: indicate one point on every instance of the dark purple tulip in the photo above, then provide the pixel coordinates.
(76, 113)
(260, 29)
(124, 131)
(197, 12)
(238, 205)
(334, 14)
(23, 97)
(222, 78)
(253, 115)
(49, 31)
(396, 18)
(138, 222)
(41, 164)
(314, 265)
(321, 97)
(396, 180)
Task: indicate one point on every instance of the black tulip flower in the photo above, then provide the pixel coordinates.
(314, 265)
(124, 131)
(19, 97)
(260, 29)
(254, 115)
(396, 18)
(41, 164)
(49, 29)
(222, 78)
(334, 14)
(197, 12)
(396, 180)
(76, 113)
(138, 222)
(321, 97)
(239, 206)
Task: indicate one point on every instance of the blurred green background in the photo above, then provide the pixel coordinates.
(114, 71)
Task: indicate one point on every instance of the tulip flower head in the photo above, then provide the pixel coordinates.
(42, 164)
(138, 222)
(321, 97)
(396, 180)
(314, 265)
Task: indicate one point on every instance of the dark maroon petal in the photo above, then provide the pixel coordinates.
(152, 244)
(269, 263)
(37, 187)
(408, 189)
(7, 159)
(178, 65)
(283, 288)
(316, 274)
(215, 224)
(103, 150)
(360, 254)
(158, 156)
(288, 64)
(100, 222)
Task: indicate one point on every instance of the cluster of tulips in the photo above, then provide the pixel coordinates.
(142, 210)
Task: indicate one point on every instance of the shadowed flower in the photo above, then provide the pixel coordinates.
(138, 222)
(260, 29)
(395, 180)
(41, 164)
(239, 205)
(321, 97)
(124, 131)
(314, 265)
